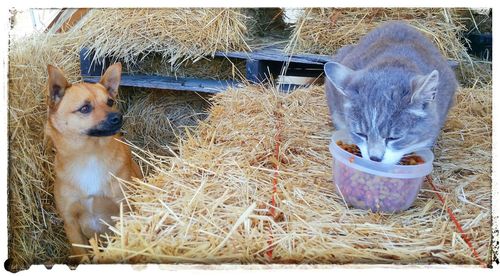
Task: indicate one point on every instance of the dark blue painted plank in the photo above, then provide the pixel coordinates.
(259, 62)
(255, 71)
(89, 68)
(275, 54)
(171, 83)
(272, 54)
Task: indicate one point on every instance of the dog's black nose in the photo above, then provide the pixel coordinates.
(115, 118)
(376, 159)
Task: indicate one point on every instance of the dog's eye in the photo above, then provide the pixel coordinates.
(110, 102)
(85, 109)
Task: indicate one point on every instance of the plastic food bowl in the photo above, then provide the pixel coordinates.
(367, 184)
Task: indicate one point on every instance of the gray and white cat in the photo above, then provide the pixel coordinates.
(392, 91)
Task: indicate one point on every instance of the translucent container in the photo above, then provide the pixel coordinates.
(367, 184)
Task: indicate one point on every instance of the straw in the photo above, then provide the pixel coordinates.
(178, 35)
(323, 31)
(219, 68)
(155, 119)
(195, 206)
(35, 231)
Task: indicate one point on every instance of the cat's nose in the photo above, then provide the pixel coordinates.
(376, 159)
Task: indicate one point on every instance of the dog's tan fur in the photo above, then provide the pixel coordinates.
(85, 190)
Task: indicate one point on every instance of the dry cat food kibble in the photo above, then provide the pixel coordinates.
(350, 148)
(410, 159)
(378, 193)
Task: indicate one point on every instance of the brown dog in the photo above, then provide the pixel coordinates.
(83, 124)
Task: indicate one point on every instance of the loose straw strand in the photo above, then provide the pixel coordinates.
(465, 237)
(277, 138)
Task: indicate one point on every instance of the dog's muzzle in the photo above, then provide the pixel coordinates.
(110, 126)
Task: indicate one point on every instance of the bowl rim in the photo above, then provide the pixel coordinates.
(421, 170)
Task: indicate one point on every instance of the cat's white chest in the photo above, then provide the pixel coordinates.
(90, 175)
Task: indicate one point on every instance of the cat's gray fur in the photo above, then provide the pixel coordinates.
(392, 91)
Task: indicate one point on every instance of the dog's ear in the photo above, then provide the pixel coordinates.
(57, 84)
(111, 79)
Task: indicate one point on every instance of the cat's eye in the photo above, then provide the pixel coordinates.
(362, 135)
(390, 139)
(110, 102)
(86, 108)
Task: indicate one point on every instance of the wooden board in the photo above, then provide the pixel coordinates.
(171, 83)
(275, 54)
(261, 66)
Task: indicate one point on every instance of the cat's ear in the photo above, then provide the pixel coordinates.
(424, 87)
(338, 75)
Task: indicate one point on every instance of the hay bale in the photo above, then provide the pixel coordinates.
(210, 203)
(177, 34)
(476, 20)
(266, 21)
(35, 231)
(324, 31)
(156, 119)
(476, 74)
(218, 68)
(476, 71)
